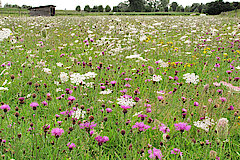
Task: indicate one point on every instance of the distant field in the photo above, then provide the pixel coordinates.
(19, 12)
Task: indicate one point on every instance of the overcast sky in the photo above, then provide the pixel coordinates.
(71, 4)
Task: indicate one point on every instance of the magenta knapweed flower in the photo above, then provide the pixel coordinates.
(182, 126)
(57, 132)
(113, 82)
(141, 126)
(196, 104)
(164, 128)
(71, 98)
(160, 98)
(21, 98)
(88, 125)
(155, 153)
(148, 110)
(45, 103)
(223, 99)
(101, 139)
(34, 105)
(71, 145)
(108, 110)
(5, 108)
(125, 107)
(176, 151)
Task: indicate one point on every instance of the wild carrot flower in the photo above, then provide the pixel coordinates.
(222, 128)
(57, 132)
(182, 126)
(155, 153)
(5, 108)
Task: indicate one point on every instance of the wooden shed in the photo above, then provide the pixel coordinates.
(48, 10)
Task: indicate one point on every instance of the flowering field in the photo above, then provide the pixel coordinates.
(119, 88)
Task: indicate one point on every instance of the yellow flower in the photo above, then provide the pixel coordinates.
(225, 54)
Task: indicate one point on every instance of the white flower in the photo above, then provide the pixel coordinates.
(126, 101)
(90, 75)
(59, 90)
(108, 91)
(204, 124)
(136, 114)
(5, 33)
(191, 78)
(156, 78)
(78, 114)
(59, 64)
(64, 77)
(90, 84)
(238, 67)
(77, 78)
(3, 89)
(47, 70)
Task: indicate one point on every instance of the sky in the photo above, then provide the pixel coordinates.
(71, 4)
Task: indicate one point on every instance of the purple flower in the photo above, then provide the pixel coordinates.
(223, 99)
(148, 110)
(141, 126)
(182, 126)
(160, 98)
(108, 110)
(231, 108)
(164, 128)
(21, 98)
(71, 98)
(101, 139)
(71, 145)
(45, 103)
(155, 153)
(125, 107)
(34, 105)
(176, 151)
(196, 104)
(5, 108)
(57, 132)
(88, 125)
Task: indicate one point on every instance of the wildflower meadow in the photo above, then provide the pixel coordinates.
(120, 87)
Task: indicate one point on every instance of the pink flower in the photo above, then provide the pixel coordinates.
(160, 98)
(141, 126)
(125, 107)
(182, 126)
(196, 104)
(71, 98)
(163, 128)
(101, 139)
(71, 145)
(45, 103)
(57, 132)
(88, 125)
(34, 105)
(176, 151)
(223, 99)
(155, 153)
(5, 108)
(108, 110)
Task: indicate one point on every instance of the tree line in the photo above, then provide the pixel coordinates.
(212, 8)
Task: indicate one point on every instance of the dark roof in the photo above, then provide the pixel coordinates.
(41, 7)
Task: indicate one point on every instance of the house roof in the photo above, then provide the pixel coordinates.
(42, 7)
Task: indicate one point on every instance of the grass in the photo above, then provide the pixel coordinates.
(52, 59)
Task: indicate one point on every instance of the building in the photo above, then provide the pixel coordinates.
(48, 10)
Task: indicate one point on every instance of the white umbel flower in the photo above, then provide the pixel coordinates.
(191, 78)
(78, 114)
(126, 100)
(47, 70)
(77, 78)
(64, 77)
(108, 91)
(156, 78)
(3, 89)
(204, 124)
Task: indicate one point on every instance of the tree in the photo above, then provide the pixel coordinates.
(78, 8)
(108, 8)
(151, 5)
(115, 9)
(174, 6)
(180, 9)
(136, 5)
(187, 9)
(100, 8)
(87, 8)
(164, 4)
(123, 6)
(194, 7)
(94, 9)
